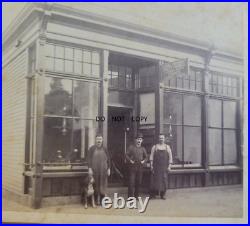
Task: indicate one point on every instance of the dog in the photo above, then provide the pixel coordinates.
(88, 192)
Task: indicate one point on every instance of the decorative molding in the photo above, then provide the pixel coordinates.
(59, 11)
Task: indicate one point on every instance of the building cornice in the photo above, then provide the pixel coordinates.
(82, 15)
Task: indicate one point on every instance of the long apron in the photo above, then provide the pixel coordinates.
(160, 174)
(99, 167)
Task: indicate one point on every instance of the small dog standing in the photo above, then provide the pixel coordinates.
(88, 191)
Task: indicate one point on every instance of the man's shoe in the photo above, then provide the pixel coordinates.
(152, 197)
(163, 197)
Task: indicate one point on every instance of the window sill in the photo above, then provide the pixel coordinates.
(224, 168)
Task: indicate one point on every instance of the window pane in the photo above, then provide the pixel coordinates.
(114, 76)
(50, 50)
(192, 85)
(58, 96)
(186, 84)
(69, 53)
(87, 69)
(95, 58)
(220, 89)
(229, 110)
(57, 139)
(86, 99)
(192, 110)
(78, 68)
(96, 70)
(173, 82)
(87, 56)
(78, 55)
(68, 66)
(122, 74)
(50, 64)
(220, 80)
(198, 86)
(192, 145)
(234, 92)
(128, 80)
(214, 112)
(83, 137)
(59, 51)
(59, 66)
(147, 109)
(230, 147)
(176, 142)
(215, 147)
(173, 108)
(179, 82)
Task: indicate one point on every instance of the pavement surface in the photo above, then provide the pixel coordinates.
(194, 205)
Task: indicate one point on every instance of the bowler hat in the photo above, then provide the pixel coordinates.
(139, 135)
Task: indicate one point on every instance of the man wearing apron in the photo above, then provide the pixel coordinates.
(160, 162)
(99, 167)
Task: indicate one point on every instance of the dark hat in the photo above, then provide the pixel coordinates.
(139, 135)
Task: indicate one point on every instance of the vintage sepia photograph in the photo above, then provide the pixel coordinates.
(122, 112)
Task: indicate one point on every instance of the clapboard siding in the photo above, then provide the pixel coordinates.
(14, 121)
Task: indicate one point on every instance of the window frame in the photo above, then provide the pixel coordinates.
(182, 125)
(236, 129)
(72, 116)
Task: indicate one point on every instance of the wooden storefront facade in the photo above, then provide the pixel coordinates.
(65, 70)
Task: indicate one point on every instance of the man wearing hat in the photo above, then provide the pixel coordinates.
(136, 156)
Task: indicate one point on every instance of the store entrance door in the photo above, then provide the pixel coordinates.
(119, 136)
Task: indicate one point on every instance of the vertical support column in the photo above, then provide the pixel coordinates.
(240, 125)
(136, 109)
(158, 101)
(205, 118)
(104, 96)
(38, 168)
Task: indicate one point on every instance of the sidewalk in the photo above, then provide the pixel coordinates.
(222, 203)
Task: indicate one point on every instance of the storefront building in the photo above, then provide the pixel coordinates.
(68, 74)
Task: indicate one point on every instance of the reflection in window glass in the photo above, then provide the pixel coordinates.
(229, 110)
(58, 96)
(173, 107)
(192, 110)
(176, 143)
(147, 107)
(57, 139)
(215, 151)
(83, 137)
(230, 147)
(86, 99)
(192, 145)
(215, 113)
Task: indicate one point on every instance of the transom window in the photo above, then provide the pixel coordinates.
(120, 77)
(176, 75)
(222, 84)
(72, 60)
